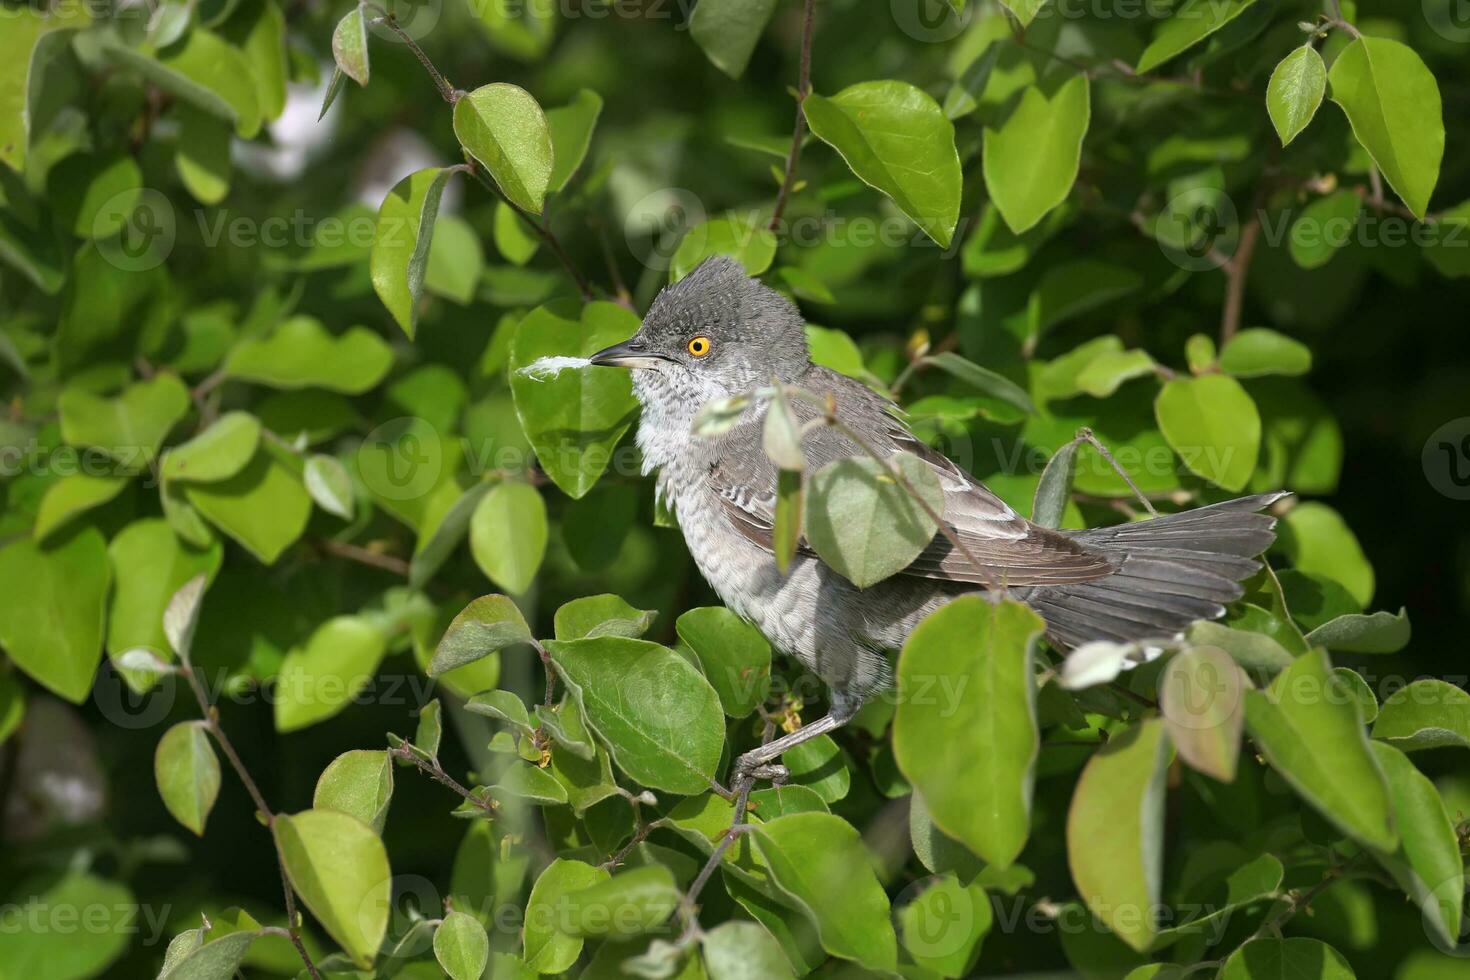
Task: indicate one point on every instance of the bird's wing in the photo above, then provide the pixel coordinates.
(1007, 548)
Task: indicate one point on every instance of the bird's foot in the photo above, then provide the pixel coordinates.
(753, 770)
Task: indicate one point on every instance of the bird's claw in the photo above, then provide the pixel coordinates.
(755, 771)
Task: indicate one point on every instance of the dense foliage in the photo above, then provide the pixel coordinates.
(282, 473)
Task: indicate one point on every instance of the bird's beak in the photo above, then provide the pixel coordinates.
(627, 355)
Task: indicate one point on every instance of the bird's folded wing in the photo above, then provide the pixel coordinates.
(1000, 546)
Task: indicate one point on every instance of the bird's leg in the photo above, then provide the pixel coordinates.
(758, 763)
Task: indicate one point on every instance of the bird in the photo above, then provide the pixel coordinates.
(719, 333)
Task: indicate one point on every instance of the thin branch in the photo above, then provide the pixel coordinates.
(447, 92)
(542, 229)
(364, 556)
(211, 721)
(742, 786)
(1087, 436)
(1236, 271)
(1297, 902)
(803, 88)
(437, 773)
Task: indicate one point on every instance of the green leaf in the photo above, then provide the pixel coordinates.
(1252, 650)
(95, 194)
(1025, 10)
(321, 678)
(1324, 227)
(340, 869)
(72, 496)
(529, 784)
(1214, 427)
(659, 716)
(187, 773)
(300, 353)
(214, 960)
(1115, 832)
(258, 28)
(20, 49)
(402, 241)
(982, 379)
(743, 237)
(350, 47)
(790, 508)
(571, 129)
(502, 126)
(55, 605)
(601, 615)
(1054, 489)
(742, 950)
(1319, 542)
(1379, 632)
(439, 538)
(264, 507)
(863, 523)
(505, 705)
(735, 657)
(575, 419)
(149, 566)
(129, 428)
(727, 31)
(1286, 959)
(819, 765)
(203, 70)
(461, 946)
(1191, 22)
(202, 157)
(358, 783)
(628, 904)
(508, 535)
(819, 862)
(330, 485)
(547, 948)
(1031, 162)
(1427, 714)
(1108, 371)
(1202, 699)
(1393, 103)
(896, 139)
(967, 702)
(59, 945)
(1257, 352)
(513, 239)
(943, 927)
(456, 263)
(217, 453)
(1307, 726)
(487, 624)
(1295, 91)
(1428, 865)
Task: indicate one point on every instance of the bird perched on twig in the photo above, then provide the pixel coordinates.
(717, 334)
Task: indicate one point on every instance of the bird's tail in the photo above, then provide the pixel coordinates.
(1172, 571)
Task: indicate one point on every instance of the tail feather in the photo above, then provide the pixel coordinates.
(1172, 571)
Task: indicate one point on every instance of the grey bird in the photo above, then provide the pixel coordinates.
(718, 333)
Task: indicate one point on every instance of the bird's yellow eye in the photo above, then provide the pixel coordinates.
(699, 346)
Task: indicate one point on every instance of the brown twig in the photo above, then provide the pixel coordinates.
(364, 556)
(211, 721)
(541, 227)
(437, 773)
(447, 91)
(803, 88)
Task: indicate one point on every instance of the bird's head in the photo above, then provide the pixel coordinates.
(715, 333)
